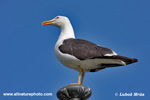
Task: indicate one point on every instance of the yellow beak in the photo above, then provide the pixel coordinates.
(48, 22)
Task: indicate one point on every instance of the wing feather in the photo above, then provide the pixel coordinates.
(83, 49)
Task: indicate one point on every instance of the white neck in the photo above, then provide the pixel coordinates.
(66, 32)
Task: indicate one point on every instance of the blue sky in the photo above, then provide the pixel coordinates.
(28, 62)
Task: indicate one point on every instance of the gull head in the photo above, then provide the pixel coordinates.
(58, 21)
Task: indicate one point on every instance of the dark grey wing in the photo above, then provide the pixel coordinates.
(83, 49)
(124, 59)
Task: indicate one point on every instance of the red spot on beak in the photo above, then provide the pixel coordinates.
(44, 24)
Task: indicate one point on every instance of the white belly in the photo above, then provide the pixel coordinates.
(67, 60)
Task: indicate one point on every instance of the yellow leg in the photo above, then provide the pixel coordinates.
(82, 77)
(79, 79)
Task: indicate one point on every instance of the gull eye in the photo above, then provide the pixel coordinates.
(56, 17)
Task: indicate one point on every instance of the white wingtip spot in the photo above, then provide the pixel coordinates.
(112, 54)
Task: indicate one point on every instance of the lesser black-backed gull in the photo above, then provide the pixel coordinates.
(82, 55)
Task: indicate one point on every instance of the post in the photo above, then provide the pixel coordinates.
(74, 92)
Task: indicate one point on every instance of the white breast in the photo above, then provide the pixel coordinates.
(66, 59)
